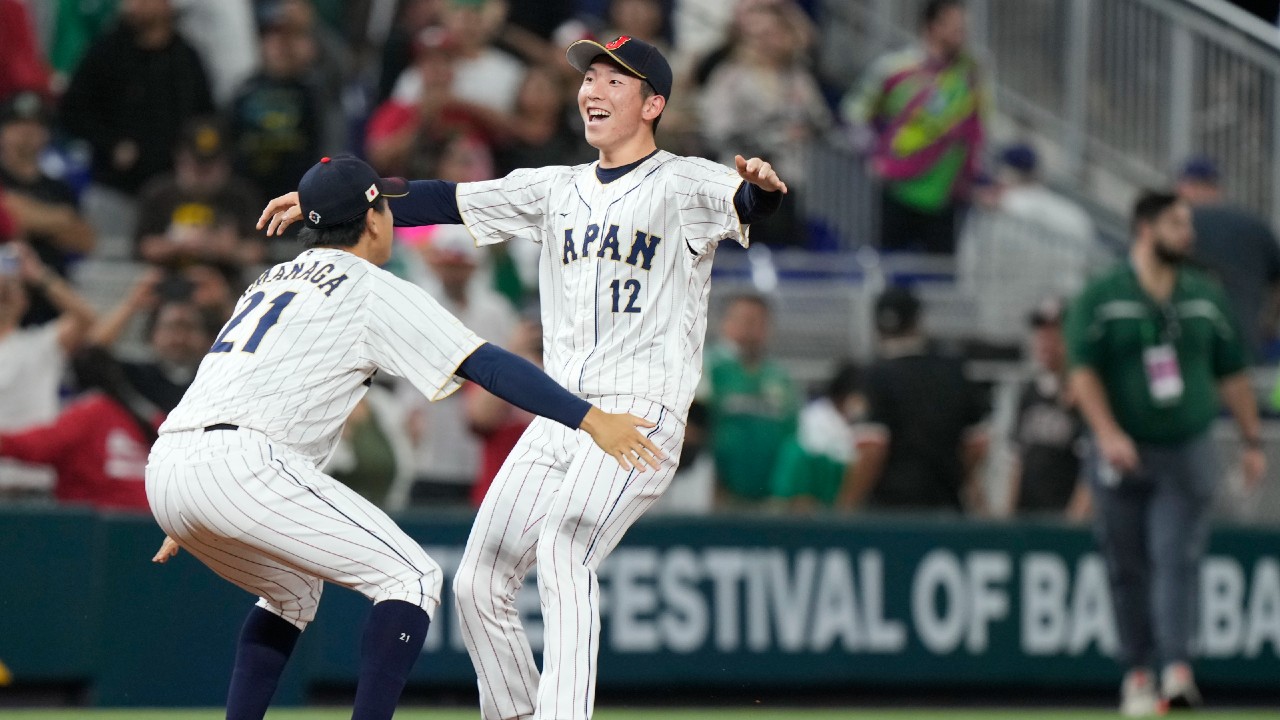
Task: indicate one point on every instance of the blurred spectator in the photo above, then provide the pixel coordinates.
(644, 19)
(1239, 248)
(98, 445)
(373, 454)
(751, 401)
(482, 74)
(44, 208)
(209, 287)
(129, 98)
(275, 119)
(404, 137)
(22, 66)
(32, 359)
(447, 454)
(399, 49)
(925, 107)
(224, 35)
(77, 26)
(334, 70)
(727, 29)
(202, 212)
(1048, 432)
(1152, 346)
(763, 102)
(1024, 196)
(178, 334)
(811, 465)
(8, 228)
(496, 422)
(543, 134)
(924, 438)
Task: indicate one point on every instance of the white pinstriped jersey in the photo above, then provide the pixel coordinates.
(293, 360)
(625, 267)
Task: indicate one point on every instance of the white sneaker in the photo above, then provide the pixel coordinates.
(1178, 686)
(1138, 696)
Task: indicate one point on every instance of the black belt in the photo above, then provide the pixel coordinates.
(221, 426)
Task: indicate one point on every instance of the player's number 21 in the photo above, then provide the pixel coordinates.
(269, 318)
(630, 286)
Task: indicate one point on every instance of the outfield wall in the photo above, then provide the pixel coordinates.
(686, 603)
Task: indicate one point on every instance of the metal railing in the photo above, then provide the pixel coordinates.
(1117, 93)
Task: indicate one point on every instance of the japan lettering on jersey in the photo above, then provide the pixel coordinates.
(625, 267)
(305, 340)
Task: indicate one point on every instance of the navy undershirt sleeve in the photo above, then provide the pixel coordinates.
(754, 204)
(429, 202)
(522, 384)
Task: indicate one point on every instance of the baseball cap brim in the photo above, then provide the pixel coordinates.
(581, 53)
(393, 186)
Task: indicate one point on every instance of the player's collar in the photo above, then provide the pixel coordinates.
(608, 175)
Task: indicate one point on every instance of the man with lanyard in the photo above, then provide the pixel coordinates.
(1152, 348)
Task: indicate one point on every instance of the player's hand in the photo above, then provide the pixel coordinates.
(168, 549)
(759, 173)
(280, 214)
(617, 435)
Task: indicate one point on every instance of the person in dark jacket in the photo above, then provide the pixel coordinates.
(924, 436)
(131, 94)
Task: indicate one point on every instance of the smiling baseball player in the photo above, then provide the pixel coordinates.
(624, 276)
(234, 476)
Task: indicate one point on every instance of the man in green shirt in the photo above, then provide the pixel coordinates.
(1152, 348)
(752, 404)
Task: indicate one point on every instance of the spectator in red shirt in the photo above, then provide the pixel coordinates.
(21, 65)
(98, 446)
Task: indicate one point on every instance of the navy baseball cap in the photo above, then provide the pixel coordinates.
(1199, 168)
(1021, 157)
(635, 56)
(341, 188)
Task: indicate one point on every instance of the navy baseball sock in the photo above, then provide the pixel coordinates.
(393, 640)
(266, 641)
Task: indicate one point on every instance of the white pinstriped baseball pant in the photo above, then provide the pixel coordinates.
(267, 520)
(562, 503)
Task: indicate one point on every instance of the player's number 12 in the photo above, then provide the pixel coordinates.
(269, 318)
(631, 286)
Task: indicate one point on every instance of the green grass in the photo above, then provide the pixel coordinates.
(647, 714)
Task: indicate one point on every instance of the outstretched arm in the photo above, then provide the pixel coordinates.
(522, 384)
(429, 202)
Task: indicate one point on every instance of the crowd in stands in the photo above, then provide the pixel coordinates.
(152, 132)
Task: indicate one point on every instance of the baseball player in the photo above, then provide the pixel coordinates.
(624, 273)
(234, 476)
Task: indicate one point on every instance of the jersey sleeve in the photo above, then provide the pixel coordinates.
(410, 335)
(705, 192)
(512, 207)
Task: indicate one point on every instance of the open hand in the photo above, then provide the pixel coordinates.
(759, 173)
(280, 213)
(617, 435)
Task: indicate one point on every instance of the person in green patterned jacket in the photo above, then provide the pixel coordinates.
(925, 106)
(752, 404)
(1153, 349)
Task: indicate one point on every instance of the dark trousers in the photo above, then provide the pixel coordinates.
(903, 227)
(1152, 528)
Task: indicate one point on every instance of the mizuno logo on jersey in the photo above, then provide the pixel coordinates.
(640, 253)
(317, 274)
